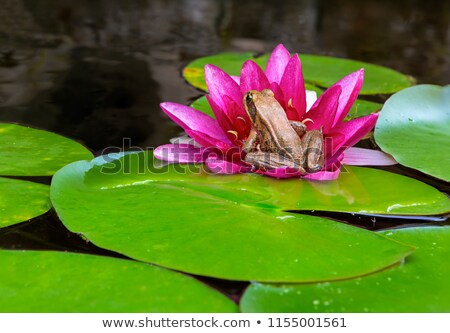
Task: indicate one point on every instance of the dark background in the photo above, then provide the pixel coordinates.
(96, 71)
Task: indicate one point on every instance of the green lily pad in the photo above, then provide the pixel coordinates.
(22, 200)
(27, 151)
(360, 107)
(43, 281)
(227, 227)
(414, 127)
(420, 284)
(318, 70)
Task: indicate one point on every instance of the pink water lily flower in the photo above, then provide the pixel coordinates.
(218, 142)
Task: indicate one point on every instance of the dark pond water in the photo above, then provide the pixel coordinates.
(96, 71)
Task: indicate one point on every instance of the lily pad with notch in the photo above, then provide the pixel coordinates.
(181, 217)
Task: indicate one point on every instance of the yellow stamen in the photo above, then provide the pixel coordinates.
(290, 103)
(234, 133)
(307, 119)
(241, 119)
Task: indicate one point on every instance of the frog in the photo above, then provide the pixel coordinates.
(274, 141)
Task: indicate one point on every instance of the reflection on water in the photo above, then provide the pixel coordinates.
(97, 70)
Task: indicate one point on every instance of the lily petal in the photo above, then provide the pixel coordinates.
(278, 94)
(210, 142)
(361, 156)
(293, 87)
(323, 175)
(351, 85)
(220, 84)
(236, 79)
(324, 109)
(220, 166)
(252, 77)
(311, 98)
(184, 139)
(221, 116)
(194, 120)
(180, 153)
(277, 63)
(350, 132)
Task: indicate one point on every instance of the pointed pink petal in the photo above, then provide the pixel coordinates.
(351, 85)
(238, 118)
(278, 94)
(210, 142)
(191, 119)
(324, 109)
(277, 63)
(323, 175)
(180, 153)
(221, 116)
(293, 88)
(220, 84)
(220, 166)
(350, 132)
(252, 77)
(282, 173)
(361, 156)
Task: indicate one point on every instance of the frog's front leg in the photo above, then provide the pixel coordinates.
(313, 154)
(298, 127)
(267, 161)
(251, 143)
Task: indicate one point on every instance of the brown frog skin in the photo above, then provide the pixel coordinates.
(274, 141)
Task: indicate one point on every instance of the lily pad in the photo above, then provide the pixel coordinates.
(227, 227)
(22, 200)
(420, 284)
(318, 70)
(27, 151)
(42, 281)
(414, 127)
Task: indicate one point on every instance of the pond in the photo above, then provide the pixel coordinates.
(97, 71)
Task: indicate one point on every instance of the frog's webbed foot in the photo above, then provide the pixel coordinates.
(313, 151)
(267, 161)
(298, 127)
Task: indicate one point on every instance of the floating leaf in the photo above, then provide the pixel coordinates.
(318, 70)
(222, 226)
(414, 127)
(229, 62)
(42, 281)
(362, 108)
(420, 284)
(22, 200)
(27, 151)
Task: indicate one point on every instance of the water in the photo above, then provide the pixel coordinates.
(96, 71)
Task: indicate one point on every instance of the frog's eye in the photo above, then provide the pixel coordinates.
(248, 97)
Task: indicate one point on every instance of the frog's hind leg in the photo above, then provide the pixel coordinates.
(298, 127)
(268, 161)
(313, 151)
